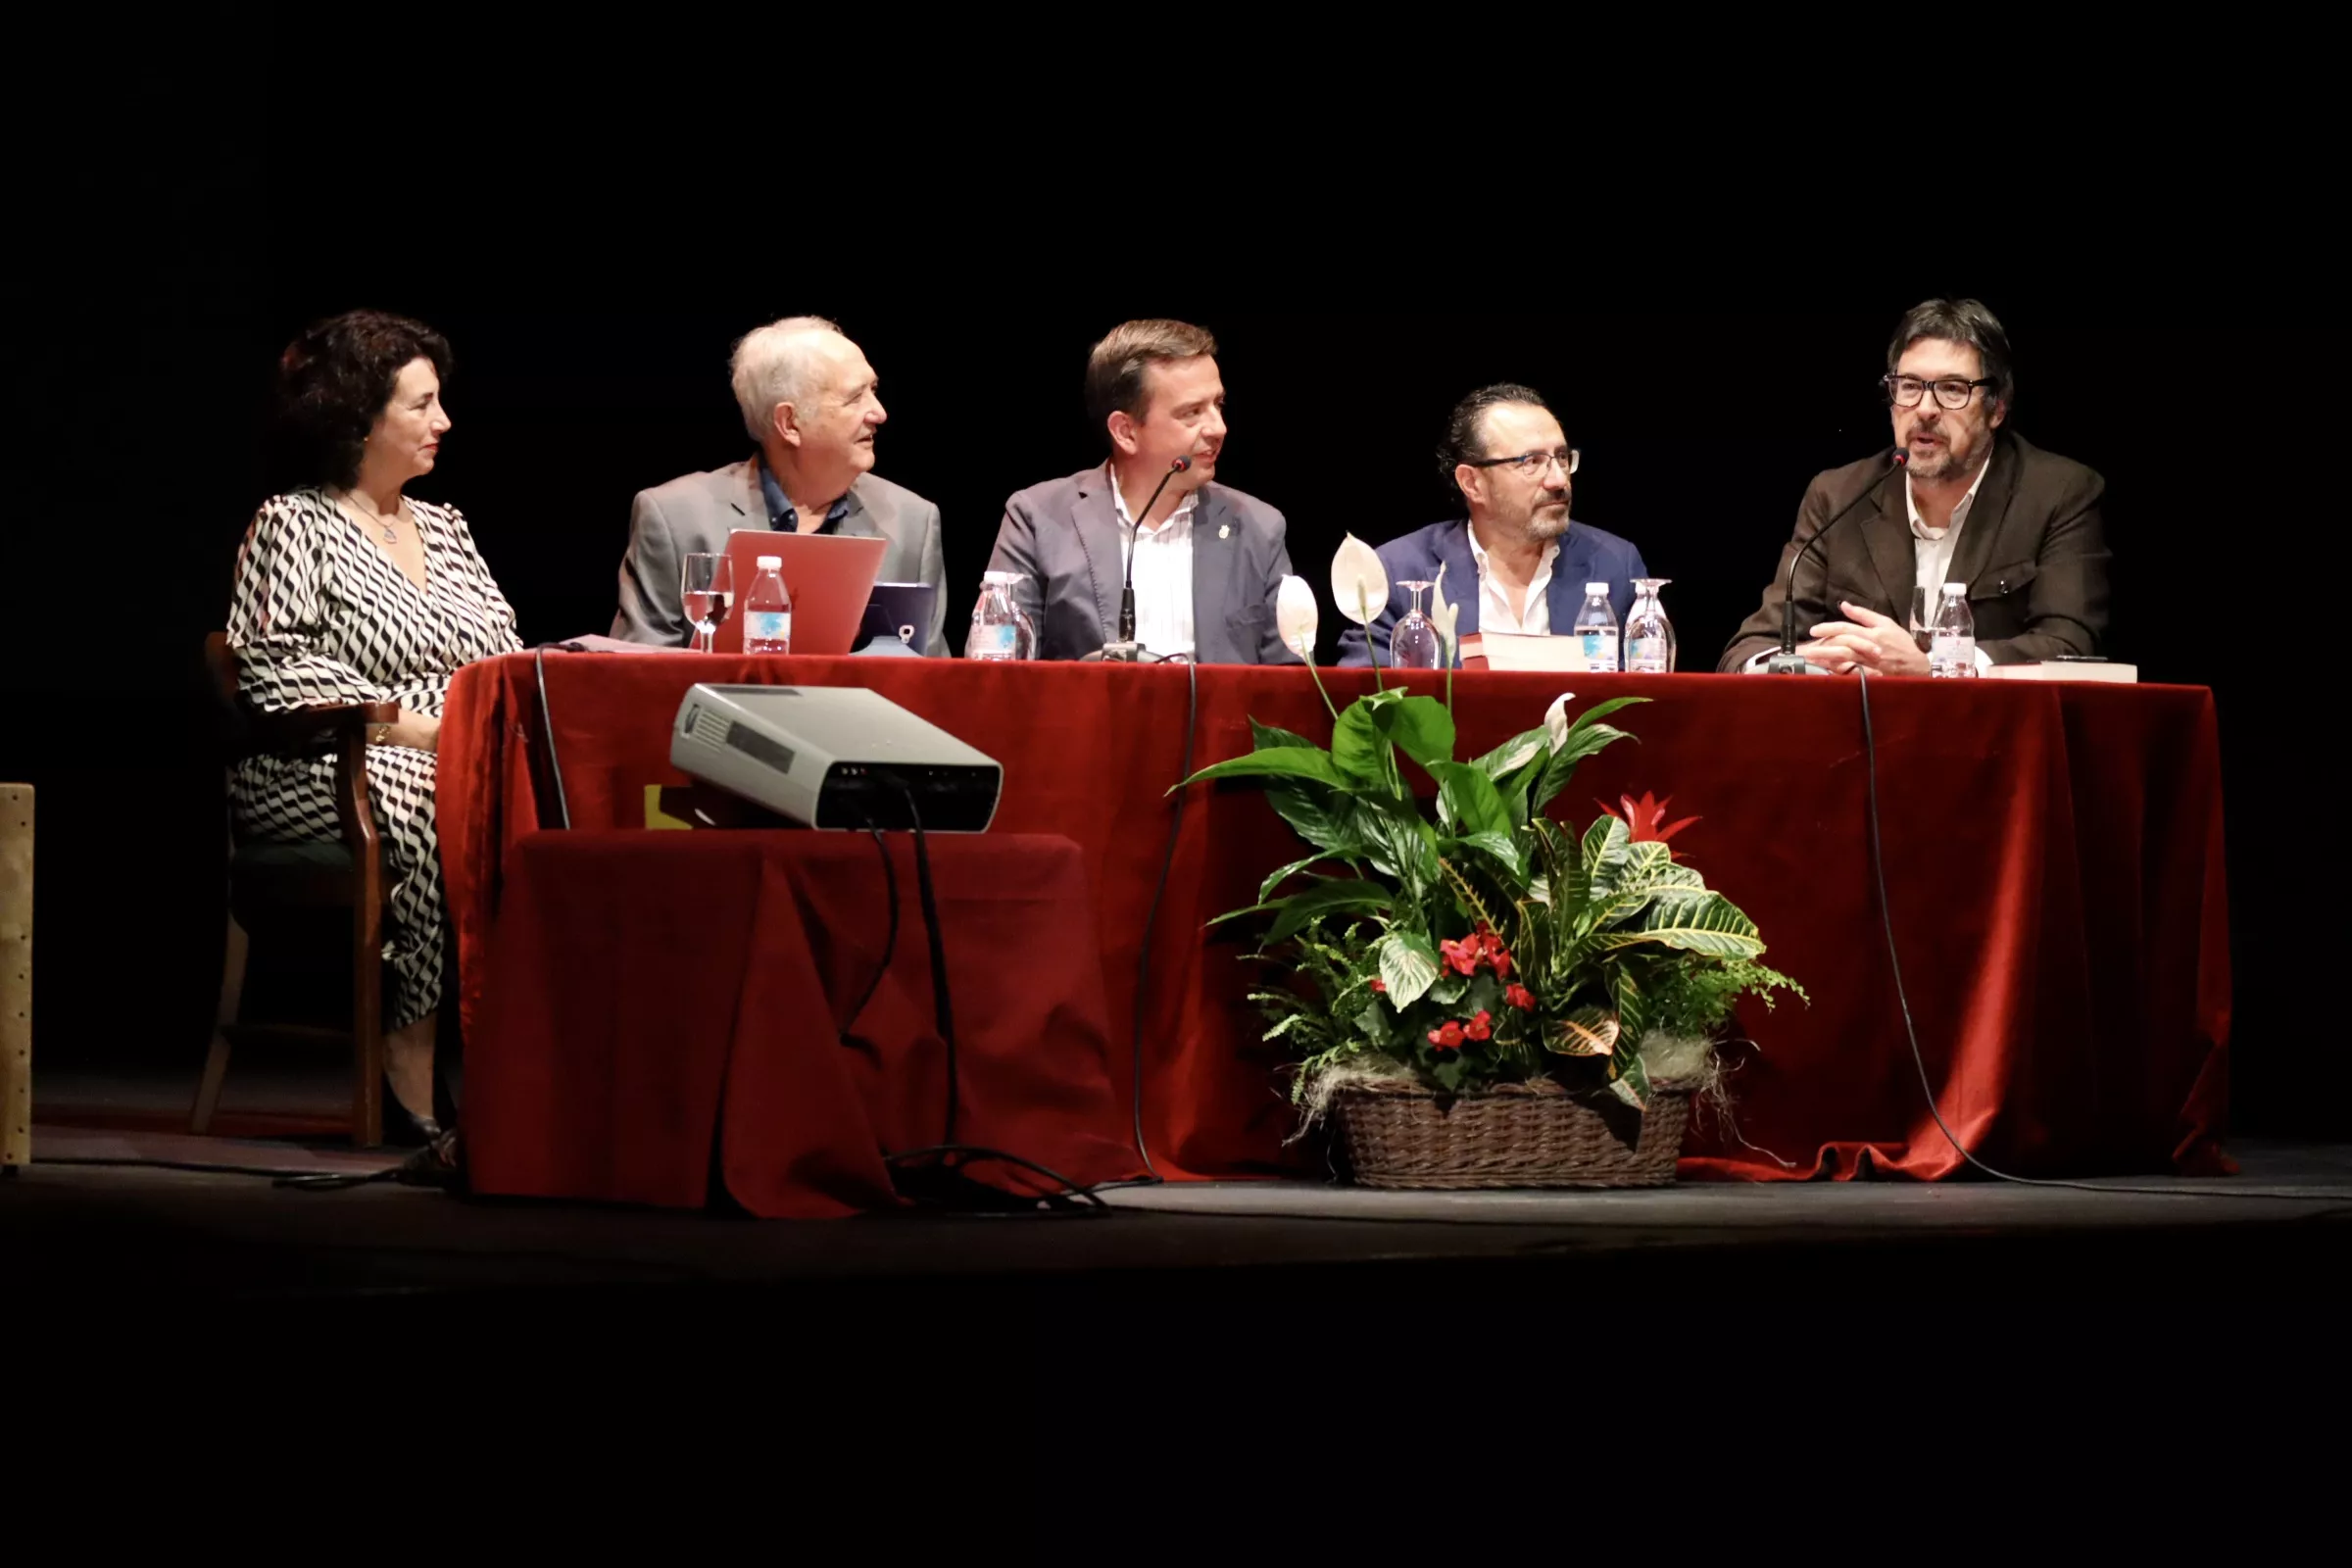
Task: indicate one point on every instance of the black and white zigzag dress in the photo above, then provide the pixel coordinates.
(321, 616)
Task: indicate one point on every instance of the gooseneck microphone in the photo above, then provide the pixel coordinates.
(1124, 644)
(1787, 661)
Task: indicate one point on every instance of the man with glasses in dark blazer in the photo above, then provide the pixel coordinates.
(1979, 504)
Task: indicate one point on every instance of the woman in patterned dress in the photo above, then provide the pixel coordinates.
(348, 591)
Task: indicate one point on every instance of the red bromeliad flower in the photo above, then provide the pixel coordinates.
(1450, 1037)
(1480, 1027)
(1519, 997)
(1645, 818)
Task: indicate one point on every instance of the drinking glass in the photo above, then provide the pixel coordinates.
(1649, 648)
(707, 589)
(1413, 643)
(1922, 616)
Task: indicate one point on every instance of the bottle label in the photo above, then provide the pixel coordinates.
(1000, 641)
(1952, 653)
(1647, 655)
(1601, 650)
(763, 626)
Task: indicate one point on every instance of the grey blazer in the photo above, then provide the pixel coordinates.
(697, 512)
(1064, 537)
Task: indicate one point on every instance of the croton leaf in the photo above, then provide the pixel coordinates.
(1692, 920)
(1409, 967)
(1631, 1083)
(1588, 1031)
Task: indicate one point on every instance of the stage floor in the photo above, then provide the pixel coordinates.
(77, 1230)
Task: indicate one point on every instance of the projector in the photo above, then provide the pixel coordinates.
(833, 757)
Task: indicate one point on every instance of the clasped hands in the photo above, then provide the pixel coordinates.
(1864, 640)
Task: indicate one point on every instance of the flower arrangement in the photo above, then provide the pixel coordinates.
(1484, 943)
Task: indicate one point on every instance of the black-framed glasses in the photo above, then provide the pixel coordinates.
(1532, 464)
(1906, 391)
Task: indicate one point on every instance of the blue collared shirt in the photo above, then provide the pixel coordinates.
(785, 518)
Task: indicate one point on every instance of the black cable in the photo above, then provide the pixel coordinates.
(1878, 871)
(1143, 962)
(939, 950)
(547, 727)
(1072, 1191)
(203, 1168)
(890, 943)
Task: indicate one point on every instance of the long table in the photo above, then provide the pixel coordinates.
(2054, 857)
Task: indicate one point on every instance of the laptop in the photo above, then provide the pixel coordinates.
(900, 613)
(829, 576)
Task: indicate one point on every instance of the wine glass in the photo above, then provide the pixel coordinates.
(1649, 635)
(1413, 642)
(706, 588)
(1922, 616)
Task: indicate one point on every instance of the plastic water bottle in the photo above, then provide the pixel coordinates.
(767, 609)
(1952, 645)
(999, 628)
(1648, 634)
(1596, 629)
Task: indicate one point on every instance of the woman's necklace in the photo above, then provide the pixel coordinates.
(350, 497)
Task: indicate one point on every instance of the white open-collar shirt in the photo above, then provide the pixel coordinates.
(1162, 571)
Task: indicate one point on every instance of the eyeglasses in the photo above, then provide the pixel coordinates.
(1906, 390)
(1532, 464)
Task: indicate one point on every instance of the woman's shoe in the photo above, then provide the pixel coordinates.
(403, 1127)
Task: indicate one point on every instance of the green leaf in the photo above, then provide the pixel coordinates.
(1588, 1031)
(1324, 898)
(1694, 921)
(1466, 800)
(1606, 846)
(1632, 1006)
(1449, 1072)
(1326, 821)
(1449, 990)
(1513, 753)
(1409, 965)
(1504, 848)
(1630, 1082)
(1290, 761)
(1375, 1024)
(1560, 767)
(1421, 727)
(1404, 844)
(1358, 749)
(1271, 737)
(1265, 889)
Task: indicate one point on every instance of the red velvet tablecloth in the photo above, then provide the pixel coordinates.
(657, 999)
(2053, 853)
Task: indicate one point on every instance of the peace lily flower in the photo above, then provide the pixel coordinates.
(1443, 616)
(1359, 583)
(1556, 720)
(1296, 617)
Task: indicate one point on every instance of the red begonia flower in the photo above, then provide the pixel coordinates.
(1448, 1037)
(1480, 1026)
(1520, 996)
(1380, 987)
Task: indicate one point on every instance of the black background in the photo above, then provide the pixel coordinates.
(592, 301)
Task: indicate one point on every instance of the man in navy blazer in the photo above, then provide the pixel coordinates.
(1517, 563)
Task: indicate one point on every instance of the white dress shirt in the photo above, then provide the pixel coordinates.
(1495, 612)
(1932, 549)
(1163, 573)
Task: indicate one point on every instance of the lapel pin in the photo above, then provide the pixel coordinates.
(1224, 530)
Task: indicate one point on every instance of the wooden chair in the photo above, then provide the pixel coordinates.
(276, 885)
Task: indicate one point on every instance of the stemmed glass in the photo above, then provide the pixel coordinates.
(1649, 635)
(1413, 642)
(707, 589)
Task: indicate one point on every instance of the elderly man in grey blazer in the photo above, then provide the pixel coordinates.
(809, 400)
(1208, 560)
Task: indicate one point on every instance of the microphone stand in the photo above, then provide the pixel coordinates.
(1124, 648)
(1788, 662)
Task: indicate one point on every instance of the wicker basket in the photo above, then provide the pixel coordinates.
(1513, 1134)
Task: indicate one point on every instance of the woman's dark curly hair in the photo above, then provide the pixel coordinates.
(335, 378)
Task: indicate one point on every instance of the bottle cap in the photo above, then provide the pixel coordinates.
(1600, 588)
(1955, 588)
(771, 564)
(1001, 576)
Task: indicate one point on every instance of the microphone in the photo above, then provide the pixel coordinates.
(1786, 661)
(1125, 641)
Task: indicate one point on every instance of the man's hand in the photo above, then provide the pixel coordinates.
(1865, 640)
